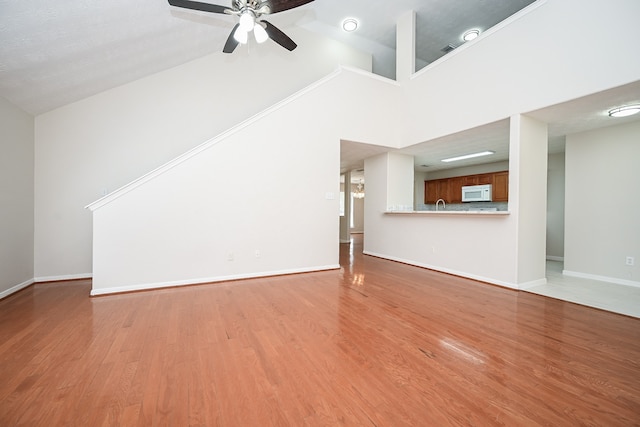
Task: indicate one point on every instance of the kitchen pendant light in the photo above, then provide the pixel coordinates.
(359, 193)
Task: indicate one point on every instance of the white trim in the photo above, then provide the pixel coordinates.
(62, 278)
(555, 258)
(203, 280)
(16, 288)
(601, 278)
(447, 270)
(528, 285)
(215, 140)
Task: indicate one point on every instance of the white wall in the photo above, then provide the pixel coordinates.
(481, 247)
(602, 209)
(400, 178)
(183, 223)
(510, 69)
(16, 198)
(528, 197)
(513, 78)
(555, 207)
(101, 143)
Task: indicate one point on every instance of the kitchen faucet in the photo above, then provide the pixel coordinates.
(444, 205)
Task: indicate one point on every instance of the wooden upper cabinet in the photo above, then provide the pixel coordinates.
(455, 190)
(431, 191)
(437, 189)
(444, 191)
(450, 189)
(485, 178)
(469, 180)
(501, 186)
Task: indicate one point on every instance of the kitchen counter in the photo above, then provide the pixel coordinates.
(445, 212)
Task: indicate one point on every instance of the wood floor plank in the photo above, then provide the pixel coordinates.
(374, 343)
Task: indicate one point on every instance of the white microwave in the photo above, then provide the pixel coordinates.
(476, 193)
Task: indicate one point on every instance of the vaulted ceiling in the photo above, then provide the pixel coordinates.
(56, 52)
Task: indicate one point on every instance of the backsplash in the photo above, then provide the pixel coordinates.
(500, 206)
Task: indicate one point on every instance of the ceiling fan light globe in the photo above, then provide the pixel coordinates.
(241, 36)
(260, 34)
(247, 22)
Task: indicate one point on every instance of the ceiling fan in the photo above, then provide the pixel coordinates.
(250, 13)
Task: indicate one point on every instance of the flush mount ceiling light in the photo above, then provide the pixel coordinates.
(468, 156)
(627, 110)
(350, 24)
(470, 35)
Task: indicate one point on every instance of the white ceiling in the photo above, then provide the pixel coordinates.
(56, 52)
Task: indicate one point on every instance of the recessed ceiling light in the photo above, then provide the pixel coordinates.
(468, 156)
(627, 110)
(470, 35)
(350, 24)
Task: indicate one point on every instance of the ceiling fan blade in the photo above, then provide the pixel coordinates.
(282, 5)
(231, 43)
(279, 37)
(196, 5)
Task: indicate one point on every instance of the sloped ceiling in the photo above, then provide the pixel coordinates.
(53, 53)
(57, 52)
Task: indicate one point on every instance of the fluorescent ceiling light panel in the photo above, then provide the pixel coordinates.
(468, 156)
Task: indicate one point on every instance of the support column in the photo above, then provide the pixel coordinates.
(528, 197)
(400, 170)
(406, 46)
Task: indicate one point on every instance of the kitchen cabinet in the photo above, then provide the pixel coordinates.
(431, 191)
(450, 189)
(469, 180)
(437, 189)
(485, 178)
(501, 186)
(455, 190)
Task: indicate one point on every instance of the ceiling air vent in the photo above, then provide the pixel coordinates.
(448, 48)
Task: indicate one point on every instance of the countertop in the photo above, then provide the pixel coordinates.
(445, 212)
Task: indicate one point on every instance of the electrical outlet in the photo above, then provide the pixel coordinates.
(630, 260)
(230, 256)
(258, 254)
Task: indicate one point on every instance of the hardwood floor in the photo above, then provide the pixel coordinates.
(376, 343)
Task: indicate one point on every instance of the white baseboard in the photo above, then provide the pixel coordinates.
(528, 285)
(555, 258)
(448, 271)
(601, 278)
(62, 278)
(16, 288)
(200, 281)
